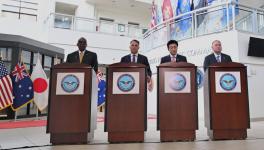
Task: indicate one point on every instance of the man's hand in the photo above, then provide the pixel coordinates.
(150, 83)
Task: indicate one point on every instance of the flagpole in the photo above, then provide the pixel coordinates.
(15, 116)
(56, 60)
(1, 55)
(37, 114)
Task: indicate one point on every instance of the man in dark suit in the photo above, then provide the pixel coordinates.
(137, 58)
(172, 46)
(217, 56)
(83, 56)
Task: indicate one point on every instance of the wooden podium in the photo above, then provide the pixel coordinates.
(126, 103)
(72, 109)
(226, 101)
(177, 102)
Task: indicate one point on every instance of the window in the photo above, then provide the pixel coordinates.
(26, 57)
(47, 65)
(6, 56)
(64, 15)
(36, 56)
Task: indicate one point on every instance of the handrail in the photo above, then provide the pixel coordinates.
(196, 12)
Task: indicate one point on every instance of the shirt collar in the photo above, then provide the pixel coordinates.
(83, 51)
(134, 54)
(173, 56)
(217, 55)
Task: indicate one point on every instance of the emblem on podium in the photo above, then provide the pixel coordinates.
(177, 82)
(126, 82)
(70, 83)
(227, 82)
(199, 78)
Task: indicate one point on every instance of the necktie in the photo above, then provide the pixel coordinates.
(173, 59)
(81, 56)
(134, 59)
(218, 58)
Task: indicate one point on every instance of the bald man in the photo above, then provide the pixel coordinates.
(83, 56)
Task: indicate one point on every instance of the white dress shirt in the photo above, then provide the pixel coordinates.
(136, 57)
(172, 56)
(218, 55)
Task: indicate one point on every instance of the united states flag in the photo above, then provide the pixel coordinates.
(6, 88)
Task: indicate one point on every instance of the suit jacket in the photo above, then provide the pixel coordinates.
(89, 58)
(179, 58)
(141, 59)
(210, 59)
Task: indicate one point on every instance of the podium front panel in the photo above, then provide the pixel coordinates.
(228, 110)
(126, 107)
(177, 110)
(70, 113)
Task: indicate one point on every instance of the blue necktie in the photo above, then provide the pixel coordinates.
(218, 58)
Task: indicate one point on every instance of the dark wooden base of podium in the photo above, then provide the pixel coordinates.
(227, 134)
(122, 137)
(177, 135)
(68, 138)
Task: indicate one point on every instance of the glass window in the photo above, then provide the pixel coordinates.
(36, 55)
(6, 53)
(47, 71)
(64, 22)
(47, 61)
(26, 55)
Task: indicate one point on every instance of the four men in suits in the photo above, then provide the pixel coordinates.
(172, 46)
(83, 56)
(87, 57)
(217, 56)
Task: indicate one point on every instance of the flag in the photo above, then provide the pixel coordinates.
(40, 84)
(101, 89)
(101, 92)
(196, 4)
(167, 11)
(6, 96)
(185, 22)
(153, 15)
(22, 87)
(159, 15)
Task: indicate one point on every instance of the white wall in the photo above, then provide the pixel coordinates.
(124, 17)
(109, 48)
(255, 75)
(30, 29)
(235, 45)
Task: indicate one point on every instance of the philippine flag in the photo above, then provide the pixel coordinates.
(40, 86)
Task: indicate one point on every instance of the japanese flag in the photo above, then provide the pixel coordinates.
(40, 86)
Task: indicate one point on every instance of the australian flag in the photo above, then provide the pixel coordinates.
(101, 89)
(101, 92)
(22, 87)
